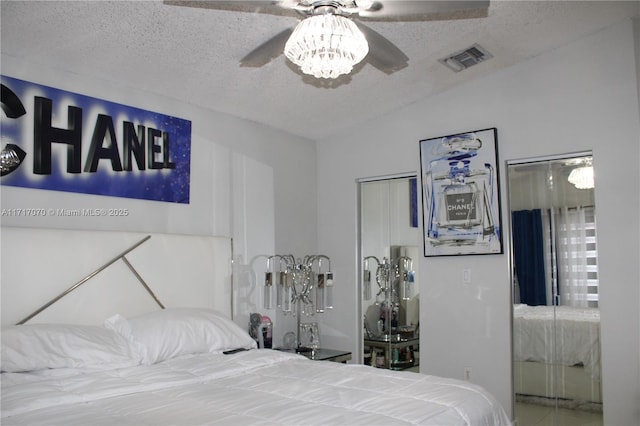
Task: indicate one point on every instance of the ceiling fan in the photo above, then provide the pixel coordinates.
(342, 37)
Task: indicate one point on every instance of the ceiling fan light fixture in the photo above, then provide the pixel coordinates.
(582, 177)
(326, 45)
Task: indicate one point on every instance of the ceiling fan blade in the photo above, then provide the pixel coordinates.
(267, 51)
(383, 54)
(271, 7)
(422, 10)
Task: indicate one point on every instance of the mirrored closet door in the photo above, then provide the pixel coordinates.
(556, 320)
(389, 261)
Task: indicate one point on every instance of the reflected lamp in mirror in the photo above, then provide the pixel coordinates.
(582, 177)
(387, 272)
(387, 316)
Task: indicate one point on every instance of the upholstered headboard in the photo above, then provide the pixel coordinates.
(39, 265)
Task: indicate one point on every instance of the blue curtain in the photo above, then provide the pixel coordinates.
(529, 256)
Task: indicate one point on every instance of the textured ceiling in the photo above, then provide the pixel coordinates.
(193, 54)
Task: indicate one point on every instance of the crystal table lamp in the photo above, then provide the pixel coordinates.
(298, 286)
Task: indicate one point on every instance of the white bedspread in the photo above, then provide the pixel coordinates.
(576, 331)
(256, 387)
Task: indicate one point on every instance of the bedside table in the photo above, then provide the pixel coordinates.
(328, 355)
(322, 354)
(394, 354)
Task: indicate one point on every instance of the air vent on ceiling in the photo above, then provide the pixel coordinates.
(466, 58)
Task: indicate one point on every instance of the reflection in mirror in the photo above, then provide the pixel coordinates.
(390, 297)
(556, 320)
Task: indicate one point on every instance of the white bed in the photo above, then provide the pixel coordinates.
(568, 369)
(167, 366)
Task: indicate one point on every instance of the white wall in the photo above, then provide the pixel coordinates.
(248, 181)
(579, 97)
(216, 139)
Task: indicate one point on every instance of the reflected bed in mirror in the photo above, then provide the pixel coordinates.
(556, 321)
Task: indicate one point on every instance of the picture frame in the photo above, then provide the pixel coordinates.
(461, 213)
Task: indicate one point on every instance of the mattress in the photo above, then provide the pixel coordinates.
(257, 387)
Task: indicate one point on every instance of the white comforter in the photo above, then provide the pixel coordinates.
(576, 332)
(255, 387)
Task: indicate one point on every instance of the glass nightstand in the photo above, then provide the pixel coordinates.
(322, 354)
(328, 355)
(396, 353)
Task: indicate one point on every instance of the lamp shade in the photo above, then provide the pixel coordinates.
(326, 46)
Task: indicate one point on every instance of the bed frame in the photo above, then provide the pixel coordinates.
(84, 277)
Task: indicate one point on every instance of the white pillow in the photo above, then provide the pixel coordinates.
(33, 347)
(172, 332)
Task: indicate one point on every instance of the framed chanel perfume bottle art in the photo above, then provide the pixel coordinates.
(460, 194)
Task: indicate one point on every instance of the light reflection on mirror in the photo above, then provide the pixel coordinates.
(553, 224)
(556, 320)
